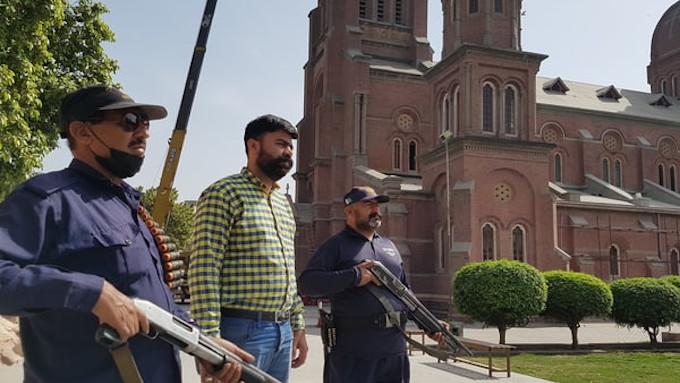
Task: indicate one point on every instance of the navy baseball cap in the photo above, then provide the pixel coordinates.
(86, 102)
(363, 193)
(268, 123)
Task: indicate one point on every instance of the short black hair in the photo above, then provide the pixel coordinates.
(268, 123)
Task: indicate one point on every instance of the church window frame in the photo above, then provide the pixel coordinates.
(396, 153)
(606, 173)
(488, 107)
(614, 261)
(473, 6)
(498, 6)
(412, 155)
(674, 260)
(557, 167)
(510, 110)
(488, 242)
(673, 178)
(519, 243)
(618, 170)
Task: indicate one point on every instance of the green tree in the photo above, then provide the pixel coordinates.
(499, 293)
(672, 279)
(47, 49)
(180, 224)
(648, 303)
(573, 296)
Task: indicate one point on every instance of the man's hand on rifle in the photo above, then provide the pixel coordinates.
(439, 336)
(118, 311)
(230, 372)
(366, 275)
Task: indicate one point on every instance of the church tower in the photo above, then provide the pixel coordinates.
(489, 23)
(363, 81)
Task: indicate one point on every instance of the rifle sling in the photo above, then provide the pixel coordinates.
(393, 315)
(125, 363)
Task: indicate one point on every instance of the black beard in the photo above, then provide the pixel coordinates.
(373, 222)
(274, 168)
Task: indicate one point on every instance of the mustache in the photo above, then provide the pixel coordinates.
(285, 160)
(137, 142)
(375, 215)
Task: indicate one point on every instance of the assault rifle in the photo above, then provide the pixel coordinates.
(187, 338)
(418, 311)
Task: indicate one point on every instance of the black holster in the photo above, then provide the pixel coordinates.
(327, 330)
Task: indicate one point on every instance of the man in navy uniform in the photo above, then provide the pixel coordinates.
(368, 348)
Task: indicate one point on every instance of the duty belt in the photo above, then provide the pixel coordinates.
(363, 322)
(278, 316)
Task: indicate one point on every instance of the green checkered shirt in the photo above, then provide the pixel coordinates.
(242, 253)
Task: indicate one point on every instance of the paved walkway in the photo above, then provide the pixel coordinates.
(426, 369)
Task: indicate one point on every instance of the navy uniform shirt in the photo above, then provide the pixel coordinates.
(61, 235)
(333, 271)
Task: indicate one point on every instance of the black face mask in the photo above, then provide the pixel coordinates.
(120, 164)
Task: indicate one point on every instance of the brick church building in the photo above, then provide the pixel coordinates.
(482, 159)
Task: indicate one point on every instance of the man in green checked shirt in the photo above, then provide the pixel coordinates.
(242, 265)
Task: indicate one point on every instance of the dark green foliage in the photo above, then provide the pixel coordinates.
(499, 293)
(47, 49)
(573, 296)
(672, 279)
(648, 303)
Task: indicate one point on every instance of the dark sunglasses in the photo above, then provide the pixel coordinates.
(130, 121)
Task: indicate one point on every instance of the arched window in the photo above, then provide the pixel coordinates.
(487, 108)
(446, 113)
(614, 261)
(412, 153)
(498, 6)
(396, 154)
(617, 173)
(672, 178)
(488, 242)
(605, 170)
(664, 87)
(441, 239)
(474, 6)
(676, 90)
(510, 110)
(558, 167)
(518, 243)
(661, 177)
(674, 259)
(456, 111)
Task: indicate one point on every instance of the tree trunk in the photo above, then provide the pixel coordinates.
(574, 335)
(501, 332)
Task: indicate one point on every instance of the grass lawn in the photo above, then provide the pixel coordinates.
(618, 367)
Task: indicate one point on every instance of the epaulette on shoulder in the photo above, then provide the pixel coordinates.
(49, 183)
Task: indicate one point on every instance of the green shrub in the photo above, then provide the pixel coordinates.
(648, 303)
(573, 296)
(499, 293)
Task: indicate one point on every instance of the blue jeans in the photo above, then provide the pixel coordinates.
(270, 343)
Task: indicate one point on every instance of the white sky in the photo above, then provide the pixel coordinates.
(255, 56)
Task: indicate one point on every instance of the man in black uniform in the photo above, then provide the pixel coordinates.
(369, 349)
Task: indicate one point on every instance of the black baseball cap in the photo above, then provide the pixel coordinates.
(363, 193)
(86, 102)
(268, 123)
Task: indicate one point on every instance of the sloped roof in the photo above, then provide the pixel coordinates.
(585, 97)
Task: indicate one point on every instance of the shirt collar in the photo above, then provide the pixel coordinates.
(252, 178)
(92, 174)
